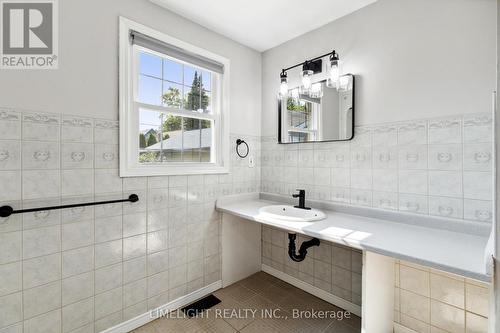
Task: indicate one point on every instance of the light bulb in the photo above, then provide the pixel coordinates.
(284, 84)
(283, 88)
(335, 70)
(307, 79)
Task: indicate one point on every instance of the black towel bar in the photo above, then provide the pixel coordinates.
(6, 211)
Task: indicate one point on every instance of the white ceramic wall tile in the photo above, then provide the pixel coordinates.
(478, 128)
(478, 185)
(106, 156)
(41, 299)
(40, 155)
(107, 180)
(411, 203)
(385, 200)
(77, 129)
(108, 253)
(445, 157)
(11, 309)
(47, 323)
(41, 127)
(445, 130)
(10, 155)
(41, 270)
(41, 241)
(41, 184)
(77, 182)
(77, 261)
(107, 278)
(77, 315)
(445, 183)
(10, 247)
(10, 124)
(11, 185)
(446, 207)
(478, 210)
(41, 218)
(77, 287)
(413, 181)
(10, 278)
(478, 157)
(76, 235)
(77, 155)
(107, 303)
(412, 132)
(135, 269)
(412, 156)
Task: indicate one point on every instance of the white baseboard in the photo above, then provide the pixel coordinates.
(401, 329)
(320, 293)
(145, 318)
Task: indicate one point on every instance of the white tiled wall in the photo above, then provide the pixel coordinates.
(440, 167)
(86, 269)
(431, 301)
(332, 267)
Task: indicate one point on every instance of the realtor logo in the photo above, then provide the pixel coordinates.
(29, 34)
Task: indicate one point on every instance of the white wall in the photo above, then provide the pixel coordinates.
(413, 59)
(86, 82)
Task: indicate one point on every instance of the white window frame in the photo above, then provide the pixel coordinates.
(129, 116)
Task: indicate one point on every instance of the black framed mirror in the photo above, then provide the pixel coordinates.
(323, 113)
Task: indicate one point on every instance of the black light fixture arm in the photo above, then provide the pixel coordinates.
(332, 54)
(6, 211)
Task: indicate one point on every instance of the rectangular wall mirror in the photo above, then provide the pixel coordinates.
(323, 113)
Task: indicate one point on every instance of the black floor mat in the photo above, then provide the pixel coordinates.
(199, 306)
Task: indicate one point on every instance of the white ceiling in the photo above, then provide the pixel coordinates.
(262, 24)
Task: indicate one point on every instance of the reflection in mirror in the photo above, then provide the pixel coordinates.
(325, 112)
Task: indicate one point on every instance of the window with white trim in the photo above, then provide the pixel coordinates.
(173, 101)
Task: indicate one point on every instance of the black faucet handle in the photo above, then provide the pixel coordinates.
(301, 193)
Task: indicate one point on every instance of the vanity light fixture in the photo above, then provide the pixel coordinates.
(309, 68)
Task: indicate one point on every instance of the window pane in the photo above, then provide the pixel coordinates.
(149, 136)
(189, 75)
(172, 71)
(167, 138)
(206, 80)
(197, 140)
(172, 136)
(172, 95)
(150, 64)
(197, 99)
(299, 114)
(149, 90)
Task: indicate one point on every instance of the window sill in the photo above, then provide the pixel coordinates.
(161, 170)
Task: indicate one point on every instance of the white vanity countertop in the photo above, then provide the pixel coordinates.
(454, 252)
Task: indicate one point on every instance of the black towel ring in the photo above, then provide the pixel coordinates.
(238, 143)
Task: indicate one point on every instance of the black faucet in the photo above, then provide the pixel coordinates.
(302, 199)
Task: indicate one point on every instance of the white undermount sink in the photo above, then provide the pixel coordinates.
(292, 214)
